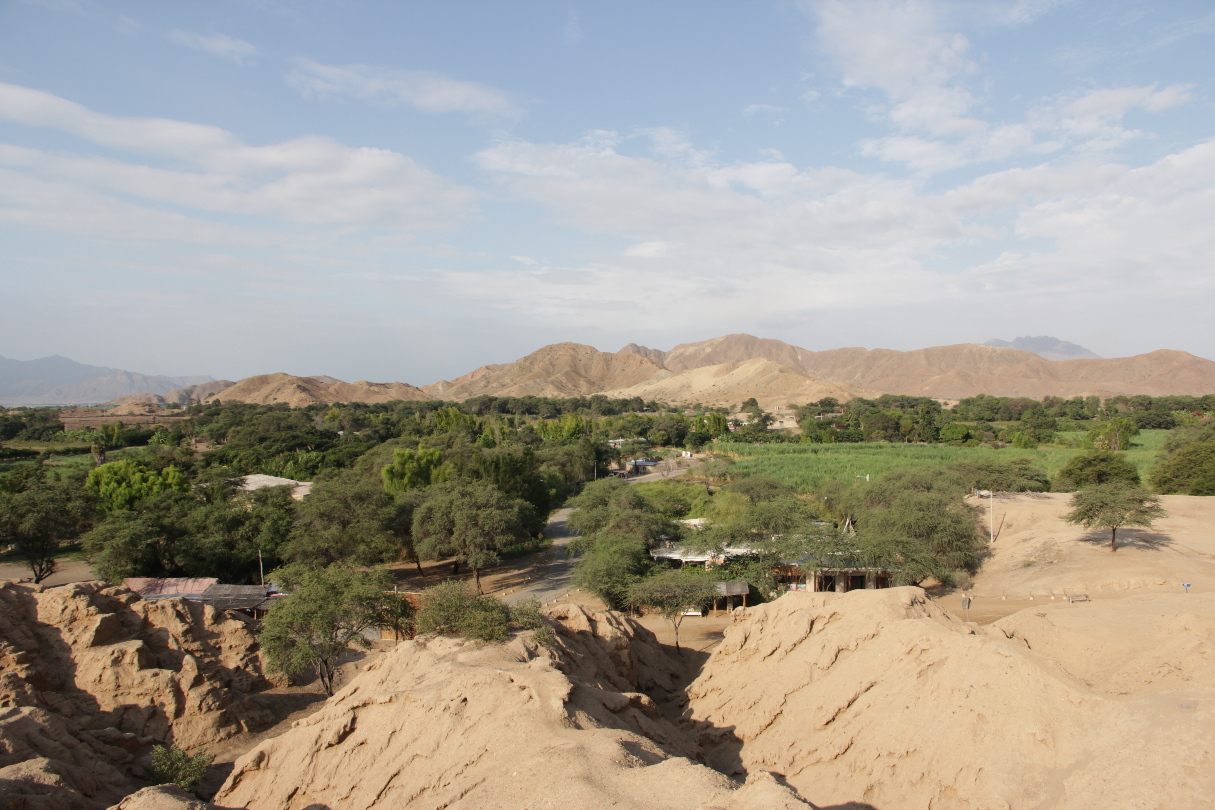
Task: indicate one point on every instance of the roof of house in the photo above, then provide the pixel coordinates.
(158, 587)
(236, 597)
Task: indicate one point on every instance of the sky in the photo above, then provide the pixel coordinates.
(404, 191)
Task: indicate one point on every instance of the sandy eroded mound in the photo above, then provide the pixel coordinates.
(881, 697)
(92, 676)
(441, 723)
(1151, 643)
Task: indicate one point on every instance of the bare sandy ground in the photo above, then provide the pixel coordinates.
(1038, 558)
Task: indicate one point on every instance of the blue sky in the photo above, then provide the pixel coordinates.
(407, 190)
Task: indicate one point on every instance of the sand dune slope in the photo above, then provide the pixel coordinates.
(442, 723)
(881, 697)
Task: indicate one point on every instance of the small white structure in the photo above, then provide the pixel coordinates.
(249, 483)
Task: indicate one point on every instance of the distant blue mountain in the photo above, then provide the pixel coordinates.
(1049, 347)
(59, 381)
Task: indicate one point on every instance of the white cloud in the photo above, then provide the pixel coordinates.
(221, 45)
(770, 109)
(900, 48)
(308, 181)
(423, 90)
(528, 260)
(769, 242)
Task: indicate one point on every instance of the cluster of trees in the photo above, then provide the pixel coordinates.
(30, 424)
(1164, 412)
(1186, 465)
(913, 522)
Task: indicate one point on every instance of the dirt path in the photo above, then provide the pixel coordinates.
(65, 572)
(553, 576)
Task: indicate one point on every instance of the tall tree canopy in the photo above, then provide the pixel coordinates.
(472, 521)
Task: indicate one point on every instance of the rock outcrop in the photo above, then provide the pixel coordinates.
(92, 676)
(442, 723)
(881, 697)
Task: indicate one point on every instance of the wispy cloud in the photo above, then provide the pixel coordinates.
(904, 50)
(307, 181)
(221, 45)
(572, 34)
(423, 90)
(764, 109)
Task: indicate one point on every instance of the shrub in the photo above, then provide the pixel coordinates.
(1095, 467)
(525, 614)
(455, 609)
(173, 765)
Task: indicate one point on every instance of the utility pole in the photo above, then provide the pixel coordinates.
(991, 515)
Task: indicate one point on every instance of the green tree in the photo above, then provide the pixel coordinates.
(1114, 435)
(1095, 467)
(673, 593)
(413, 469)
(1113, 505)
(327, 610)
(471, 521)
(122, 484)
(759, 488)
(346, 518)
(611, 563)
(39, 517)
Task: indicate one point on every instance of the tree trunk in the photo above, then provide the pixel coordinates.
(326, 677)
(418, 563)
(1114, 539)
(477, 579)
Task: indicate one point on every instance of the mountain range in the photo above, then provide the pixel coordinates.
(1048, 347)
(729, 369)
(721, 371)
(59, 381)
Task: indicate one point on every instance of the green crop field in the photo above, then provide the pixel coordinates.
(808, 466)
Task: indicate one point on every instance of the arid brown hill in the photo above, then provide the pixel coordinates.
(772, 384)
(91, 677)
(267, 389)
(732, 368)
(962, 370)
(560, 370)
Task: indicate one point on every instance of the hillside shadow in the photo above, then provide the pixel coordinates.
(1144, 539)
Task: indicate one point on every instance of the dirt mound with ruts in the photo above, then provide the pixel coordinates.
(92, 676)
(882, 698)
(443, 723)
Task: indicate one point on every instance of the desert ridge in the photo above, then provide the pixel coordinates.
(730, 369)
(298, 392)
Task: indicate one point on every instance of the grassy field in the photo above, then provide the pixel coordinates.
(807, 466)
